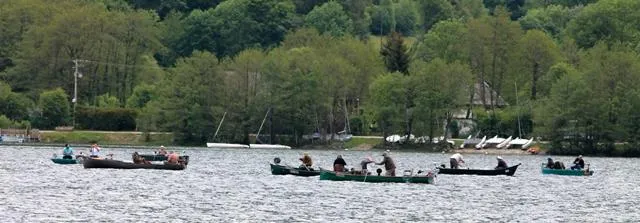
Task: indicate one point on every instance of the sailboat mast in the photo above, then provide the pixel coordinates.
(219, 125)
(518, 110)
(262, 124)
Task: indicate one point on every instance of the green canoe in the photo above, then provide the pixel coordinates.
(65, 161)
(328, 175)
(566, 172)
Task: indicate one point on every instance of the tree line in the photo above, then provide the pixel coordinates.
(566, 69)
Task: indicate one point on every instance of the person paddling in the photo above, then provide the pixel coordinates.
(67, 152)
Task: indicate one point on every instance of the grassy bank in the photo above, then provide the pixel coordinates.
(106, 138)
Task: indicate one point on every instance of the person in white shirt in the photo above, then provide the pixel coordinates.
(455, 160)
(94, 152)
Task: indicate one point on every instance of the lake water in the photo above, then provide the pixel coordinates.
(228, 185)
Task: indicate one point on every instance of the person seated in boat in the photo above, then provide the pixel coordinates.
(67, 152)
(94, 151)
(137, 159)
(338, 164)
(162, 151)
(550, 163)
(558, 165)
(306, 161)
(455, 161)
(501, 163)
(578, 163)
(172, 158)
(364, 163)
(389, 165)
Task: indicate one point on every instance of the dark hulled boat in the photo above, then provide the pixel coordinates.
(492, 172)
(288, 170)
(155, 157)
(117, 164)
(333, 176)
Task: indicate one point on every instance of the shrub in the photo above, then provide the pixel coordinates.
(109, 119)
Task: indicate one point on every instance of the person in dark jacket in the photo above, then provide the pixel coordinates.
(338, 164)
(550, 163)
(578, 163)
(501, 163)
(389, 165)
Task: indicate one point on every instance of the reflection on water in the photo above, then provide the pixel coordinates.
(236, 185)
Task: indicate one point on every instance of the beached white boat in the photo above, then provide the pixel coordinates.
(520, 143)
(268, 146)
(481, 143)
(227, 145)
(493, 142)
(504, 143)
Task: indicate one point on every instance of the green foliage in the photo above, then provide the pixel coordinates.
(446, 40)
(107, 101)
(106, 118)
(17, 106)
(539, 53)
(395, 54)
(55, 109)
(5, 122)
(406, 17)
(553, 19)
(516, 8)
(607, 20)
(434, 11)
(236, 25)
(330, 18)
(382, 19)
(386, 105)
(440, 90)
(190, 101)
(141, 95)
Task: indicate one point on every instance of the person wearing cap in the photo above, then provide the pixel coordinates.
(455, 160)
(306, 160)
(550, 163)
(389, 165)
(162, 151)
(578, 163)
(364, 164)
(501, 163)
(338, 164)
(67, 152)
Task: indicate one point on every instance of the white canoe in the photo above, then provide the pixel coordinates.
(522, 143)
(268, 146)
(227, 145)
(481, 144)
(504, 143)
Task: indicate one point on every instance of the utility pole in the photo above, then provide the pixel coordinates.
(76, 75)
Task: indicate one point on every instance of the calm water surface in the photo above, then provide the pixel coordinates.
(228, 185)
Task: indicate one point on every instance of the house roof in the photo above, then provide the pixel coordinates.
(488, 91)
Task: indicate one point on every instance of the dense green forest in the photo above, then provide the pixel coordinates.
(562, 70)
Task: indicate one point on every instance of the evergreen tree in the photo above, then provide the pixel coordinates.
(395, 54)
